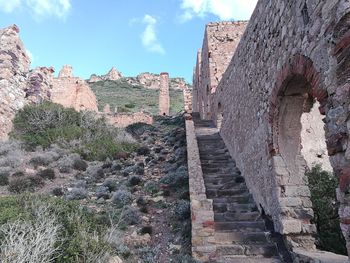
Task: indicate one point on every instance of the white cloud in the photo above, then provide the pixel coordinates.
(149, 37)
(39, 8)
(9, 6)
(224, 9)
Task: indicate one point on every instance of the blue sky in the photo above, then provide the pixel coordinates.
(133, 35)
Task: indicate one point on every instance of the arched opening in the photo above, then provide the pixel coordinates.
(299, 135)
(219, 116)
(298, 145)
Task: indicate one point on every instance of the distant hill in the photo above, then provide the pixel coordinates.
(129, 97)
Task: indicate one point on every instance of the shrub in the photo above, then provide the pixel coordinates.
(130, 216)
(134, 180)
(79, 237)
(111, 184)
(4, 177)
(47, 174)
(122, 198)
(77, 194)
(88, 135)
(322, 186)
(151, 187)
(182, 210)
(22, 184)
(175, 179)
(80, 165)
(30, 241)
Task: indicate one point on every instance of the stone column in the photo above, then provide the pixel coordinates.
(164, 98)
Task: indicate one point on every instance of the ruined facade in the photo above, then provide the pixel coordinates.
(291, 57)
(71, 91)
(164, 99)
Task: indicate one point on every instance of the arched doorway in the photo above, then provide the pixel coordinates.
(297, 98)
(219, 116)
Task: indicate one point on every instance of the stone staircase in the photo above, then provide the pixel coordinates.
(240, 233)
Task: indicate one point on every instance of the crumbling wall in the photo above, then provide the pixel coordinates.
(301, 49)
(71, 91)
(14, 67)
(124, 119)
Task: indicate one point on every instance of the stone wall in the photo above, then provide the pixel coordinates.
(121, 120)
(220, 42)
(187, 93)
(14, 67)
(71, 91)
(164, 99)
(291, 55)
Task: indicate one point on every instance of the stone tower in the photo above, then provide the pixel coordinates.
(164, 98)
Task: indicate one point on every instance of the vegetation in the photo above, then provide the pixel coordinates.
(129, 98)
(91, 137)
(43, 229)
(322, 186)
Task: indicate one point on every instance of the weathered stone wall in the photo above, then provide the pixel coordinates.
(14, 67)
(124, 119)
(71, 91)
(291, 54)
(187, 93)
(220, 42)
(164, 99)
(39, 84)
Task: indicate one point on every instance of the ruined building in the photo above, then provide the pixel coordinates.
(20, 86)
(164, 99)
(277, 90)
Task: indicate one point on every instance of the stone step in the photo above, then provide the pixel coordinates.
(228, 185)
(252, 226)
(226, 192)
(246, 259)
(240, 199)
(234, 207)
(265, 250)
(241, 237)
(230, 216)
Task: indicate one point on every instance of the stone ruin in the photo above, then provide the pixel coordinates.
(278, 89)
(71, 91)
(164, 99)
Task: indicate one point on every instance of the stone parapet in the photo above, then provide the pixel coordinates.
(202, 214)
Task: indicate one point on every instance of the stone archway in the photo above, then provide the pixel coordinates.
(296, 92)
(219, 116)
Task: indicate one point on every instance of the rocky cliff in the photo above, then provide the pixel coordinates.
(146, 79)
(14, 68)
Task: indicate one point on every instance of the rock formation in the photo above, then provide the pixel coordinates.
(14, 67)
(146, 79)
(66, 72)
(71, 91)
(112, 75)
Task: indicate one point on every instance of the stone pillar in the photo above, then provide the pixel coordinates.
(164, 99)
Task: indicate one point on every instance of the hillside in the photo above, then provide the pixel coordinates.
(132, 98)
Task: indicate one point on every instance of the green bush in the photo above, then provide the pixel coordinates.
(86, 134)
(322, 185)
(80, 233)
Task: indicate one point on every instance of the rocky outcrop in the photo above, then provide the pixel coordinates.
(71, 91)
(112, 75)
(14, 67)
(66, 72)
(146, 79)
(152, 81)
